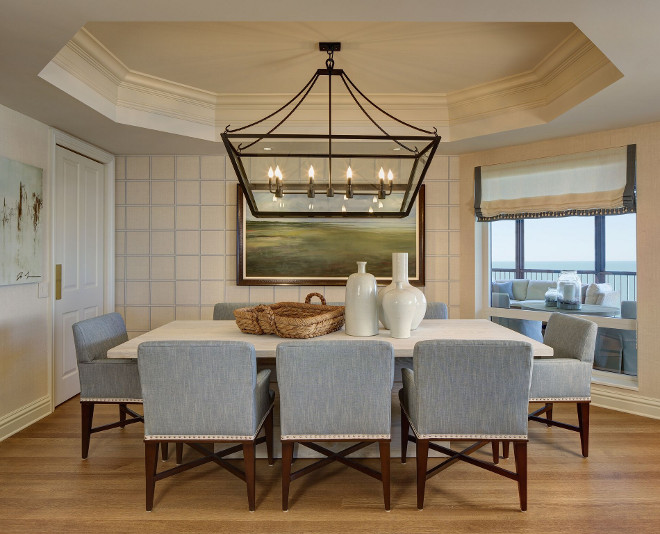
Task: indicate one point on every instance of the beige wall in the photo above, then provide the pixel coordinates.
(24, 358)
(647, 139)
(176, 240)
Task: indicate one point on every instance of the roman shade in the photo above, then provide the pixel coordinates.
(600, 182)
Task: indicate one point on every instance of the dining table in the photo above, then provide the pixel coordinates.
(266, 345)
(585, 309)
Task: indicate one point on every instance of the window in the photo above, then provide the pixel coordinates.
(560, 244)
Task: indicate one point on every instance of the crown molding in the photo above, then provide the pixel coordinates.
(575, 70)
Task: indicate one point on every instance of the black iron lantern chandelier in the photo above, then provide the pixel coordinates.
(329, 175)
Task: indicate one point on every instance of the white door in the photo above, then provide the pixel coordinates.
(78, 249)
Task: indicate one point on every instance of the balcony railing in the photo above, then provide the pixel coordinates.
(625, 282)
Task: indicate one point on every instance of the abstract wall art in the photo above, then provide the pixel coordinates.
(21, 203)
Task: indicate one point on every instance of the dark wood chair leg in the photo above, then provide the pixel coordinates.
(583, 420)
(520, 453)
(87, 414)
(422, 461)
(496, 451)
(268, 426)
(548, 413)
(405, 428)
(385, 471)
(179, 452)
(287, 457)
(122, 414)
(150, 463)
(248, 458)
(505, 449)
(164, 449)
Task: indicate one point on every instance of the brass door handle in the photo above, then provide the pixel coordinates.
(58, 281)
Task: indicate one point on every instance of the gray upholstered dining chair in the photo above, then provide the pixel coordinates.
(224, 311)
(566, 377)
(467, 391)
(436, 310)
(104, 380)
(335, 391)
(526, 327)
(199, 392)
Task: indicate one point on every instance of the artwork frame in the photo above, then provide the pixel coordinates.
(245, 251)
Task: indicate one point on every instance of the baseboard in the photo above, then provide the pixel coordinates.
(623, 400)
(25, 416)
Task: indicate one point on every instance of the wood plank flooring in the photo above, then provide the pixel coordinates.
(46, 487)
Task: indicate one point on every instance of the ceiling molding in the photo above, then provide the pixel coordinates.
(575, 70)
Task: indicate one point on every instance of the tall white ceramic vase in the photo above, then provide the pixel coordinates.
(400, 274)
(399, 307)
(361, 301)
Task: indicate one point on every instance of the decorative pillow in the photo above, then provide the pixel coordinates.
(503, 287)
(594, 290)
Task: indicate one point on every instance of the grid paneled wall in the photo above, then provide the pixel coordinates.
(175, 243)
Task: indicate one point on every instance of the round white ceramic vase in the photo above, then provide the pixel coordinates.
(361, 307)
(400, 274)
(399, 307)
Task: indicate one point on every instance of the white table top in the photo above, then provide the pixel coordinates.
(265, 345)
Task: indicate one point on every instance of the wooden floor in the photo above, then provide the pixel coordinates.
(46, 487)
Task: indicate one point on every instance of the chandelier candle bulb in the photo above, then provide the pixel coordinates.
(311, 193)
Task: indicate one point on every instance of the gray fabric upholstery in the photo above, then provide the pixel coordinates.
(94, 337)
(560, 378)
(202, 388)
(527, 327)
(629, 309)
(224, 311)
(335, 388)
(567, 375)
(436, 310)
(464, 389)
(102, 378)
(571, 337)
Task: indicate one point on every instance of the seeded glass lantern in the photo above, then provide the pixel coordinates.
(569, 291)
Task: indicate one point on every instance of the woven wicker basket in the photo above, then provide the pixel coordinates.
(291, 319)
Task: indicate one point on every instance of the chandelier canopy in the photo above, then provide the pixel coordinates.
(329, 174)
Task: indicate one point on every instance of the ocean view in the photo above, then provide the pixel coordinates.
(627, 266)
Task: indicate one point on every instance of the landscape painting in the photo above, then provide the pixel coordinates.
(21, 203)
(324, 251)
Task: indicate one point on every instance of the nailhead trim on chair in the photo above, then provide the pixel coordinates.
(560, 399)
(312, 437)
(105, 399)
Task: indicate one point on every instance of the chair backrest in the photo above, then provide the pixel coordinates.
(335, 388)
(224, 311)
(436, 310)
(198, 388)
(94, 337)
(469, 388)
(629, 309)
(571, 337)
